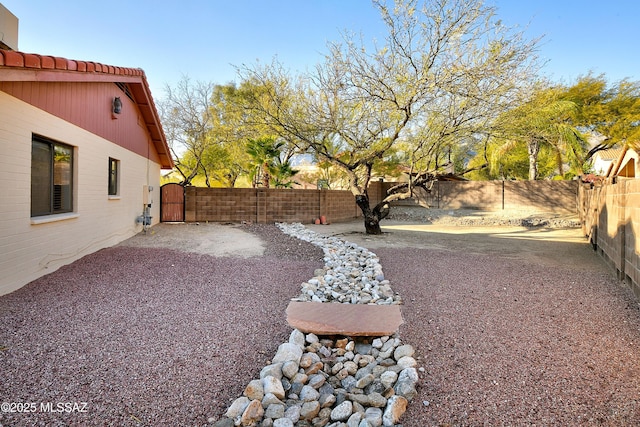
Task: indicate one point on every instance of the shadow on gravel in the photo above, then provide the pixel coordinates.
(517, 341)
(514, 326)
(144, 336)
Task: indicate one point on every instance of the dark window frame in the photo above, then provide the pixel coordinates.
(114, 177)
(52, 177)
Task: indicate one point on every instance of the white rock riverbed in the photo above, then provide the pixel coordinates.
(351, 274)
(315, 381)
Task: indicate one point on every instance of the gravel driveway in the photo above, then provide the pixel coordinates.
(512, 326)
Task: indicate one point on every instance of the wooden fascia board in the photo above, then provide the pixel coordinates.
(614, 167)
(144, 100)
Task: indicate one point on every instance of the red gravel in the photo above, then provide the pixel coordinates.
(147, 336)
(510, 343)
(160, 337)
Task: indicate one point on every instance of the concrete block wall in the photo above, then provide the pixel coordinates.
(220, 204)
(612, 230)
(267, 205)
(469, 195)
(548, 196)
(632, 233)
(292, 205)
(588, 208)
(611, 219)
(340, 206)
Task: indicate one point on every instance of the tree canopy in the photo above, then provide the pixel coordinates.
(610, 111)
(561, 127)
(449, 89)
(443, 71)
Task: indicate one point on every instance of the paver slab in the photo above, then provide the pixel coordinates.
(344, 319)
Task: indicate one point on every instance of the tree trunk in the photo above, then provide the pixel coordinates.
(371, 220)
(265, 175)
(534, 148)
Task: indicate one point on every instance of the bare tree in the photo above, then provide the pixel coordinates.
(187, 121)
(445, 69)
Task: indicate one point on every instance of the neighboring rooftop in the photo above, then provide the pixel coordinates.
(610, 153)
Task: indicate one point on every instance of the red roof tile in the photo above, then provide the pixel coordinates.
(13, 59)
(47, 62)
(32, 61)
(61, 63)
(10, 58)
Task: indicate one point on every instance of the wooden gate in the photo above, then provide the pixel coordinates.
(172, 203)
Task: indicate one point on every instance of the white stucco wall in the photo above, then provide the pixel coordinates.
(31, 248)
(601, 166)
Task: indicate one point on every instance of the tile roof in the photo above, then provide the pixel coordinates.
(610, 153)
(35, 67)
(11, 58)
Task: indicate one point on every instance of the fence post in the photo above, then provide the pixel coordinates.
(195, 200)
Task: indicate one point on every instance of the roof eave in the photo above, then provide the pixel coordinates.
(19, 66)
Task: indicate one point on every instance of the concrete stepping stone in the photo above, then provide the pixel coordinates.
(352, 320)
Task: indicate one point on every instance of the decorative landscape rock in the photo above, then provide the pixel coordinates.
(395, 408)
(368, 384)
(344, 319)
(352, 274)
(333, 381)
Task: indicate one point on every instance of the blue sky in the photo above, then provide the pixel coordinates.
(205, 39)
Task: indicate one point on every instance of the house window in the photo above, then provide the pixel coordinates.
(114, 177)
(51, 177)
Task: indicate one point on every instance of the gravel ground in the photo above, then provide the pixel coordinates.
(508, 343)
(150, 336)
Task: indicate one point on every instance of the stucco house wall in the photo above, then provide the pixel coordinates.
(32, 247)
(604, 159)
(71, 102)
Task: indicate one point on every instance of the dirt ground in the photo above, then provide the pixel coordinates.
(443, 230)
(510, 242)
(205, 238)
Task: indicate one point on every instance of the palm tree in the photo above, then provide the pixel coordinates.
(282, 174)
(268, 163)
(542, 121)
